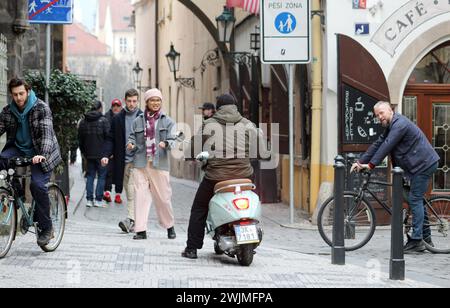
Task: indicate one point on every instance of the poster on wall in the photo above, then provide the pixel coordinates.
(360, 125)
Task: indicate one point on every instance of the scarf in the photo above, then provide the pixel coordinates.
(150, 132)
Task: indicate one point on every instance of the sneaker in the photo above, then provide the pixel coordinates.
(99, 204)
(140, 236)
(127, 225)
(171, 235)
(45, 237)
(414, 246)
(429, 241)
(190, 253)
(118, 199)
(89, 203)
(107, 196)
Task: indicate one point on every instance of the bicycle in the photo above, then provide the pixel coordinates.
(360, 218)
(12, 196)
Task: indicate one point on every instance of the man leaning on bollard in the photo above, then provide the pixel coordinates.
(410, 150)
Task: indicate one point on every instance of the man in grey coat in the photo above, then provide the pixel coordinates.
(409, 149)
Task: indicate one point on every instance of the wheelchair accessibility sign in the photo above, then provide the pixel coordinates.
(50, 11)
(285, 31)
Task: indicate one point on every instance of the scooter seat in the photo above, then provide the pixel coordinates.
(230, 186)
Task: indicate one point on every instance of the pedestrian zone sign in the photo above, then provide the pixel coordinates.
(286, 31)
(50, 11)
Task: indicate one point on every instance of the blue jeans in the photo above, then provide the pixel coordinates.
(419, 186)
(95, 167)
(38, 188)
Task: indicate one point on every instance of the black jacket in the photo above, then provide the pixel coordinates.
(92, 135)
(115, 145)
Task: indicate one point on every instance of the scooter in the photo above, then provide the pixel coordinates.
(233, 218)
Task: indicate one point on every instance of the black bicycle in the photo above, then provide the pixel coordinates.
(360, 218)
(12, 199)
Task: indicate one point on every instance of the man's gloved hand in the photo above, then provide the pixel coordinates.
(202, 156)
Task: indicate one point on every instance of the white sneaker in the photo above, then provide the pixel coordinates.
(99, 204)
(89, 203)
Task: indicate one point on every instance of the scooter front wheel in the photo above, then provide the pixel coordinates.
(245, 255)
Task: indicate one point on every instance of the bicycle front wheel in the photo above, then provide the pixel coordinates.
(439, 222)
(8, 222)
(359, 221)
(58, 214)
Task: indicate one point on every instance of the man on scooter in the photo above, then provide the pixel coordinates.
(228, 158)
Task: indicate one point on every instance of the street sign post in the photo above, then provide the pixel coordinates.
(286, 39)
(286, 31)
(49, 12)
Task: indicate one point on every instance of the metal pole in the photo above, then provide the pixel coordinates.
(338, 247)
(291, 140)
(48, 61)
(397, 264)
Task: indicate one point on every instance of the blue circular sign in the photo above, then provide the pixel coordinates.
(285, 23)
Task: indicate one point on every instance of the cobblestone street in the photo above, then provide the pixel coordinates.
(95, 253)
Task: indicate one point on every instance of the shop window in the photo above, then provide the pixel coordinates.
(410, 108)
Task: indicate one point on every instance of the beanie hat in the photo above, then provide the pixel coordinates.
(152, 93)
(225, 99)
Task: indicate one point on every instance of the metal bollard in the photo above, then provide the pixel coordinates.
(338, 247)
(397, 263)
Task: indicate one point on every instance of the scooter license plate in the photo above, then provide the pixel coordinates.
(246, 234)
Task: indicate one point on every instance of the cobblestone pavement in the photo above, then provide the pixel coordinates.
(94, 253)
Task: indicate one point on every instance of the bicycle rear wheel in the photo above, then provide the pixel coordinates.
(359, 221)
(439, 221)
(8, 223)
(58, 214)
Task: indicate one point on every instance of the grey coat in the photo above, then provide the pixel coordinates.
(165, 131)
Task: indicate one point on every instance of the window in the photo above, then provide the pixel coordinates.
(434, 67)
(123, 45)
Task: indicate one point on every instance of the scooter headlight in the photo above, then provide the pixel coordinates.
(241, 203)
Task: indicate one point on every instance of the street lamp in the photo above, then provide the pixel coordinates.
(137, 70)
(225, 25)
(173, 59)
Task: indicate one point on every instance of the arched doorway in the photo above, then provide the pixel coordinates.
(426, 102)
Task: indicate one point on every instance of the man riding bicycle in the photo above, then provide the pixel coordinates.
(28, 124)
(409, 149)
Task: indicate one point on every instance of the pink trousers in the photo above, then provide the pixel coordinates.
(151, 184)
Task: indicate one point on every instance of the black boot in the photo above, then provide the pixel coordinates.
(414, 246)
(171, 233)
(140, 236)
(45, 237)
(190, 253)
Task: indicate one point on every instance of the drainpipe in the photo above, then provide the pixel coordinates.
(316, 105)
(156, 44)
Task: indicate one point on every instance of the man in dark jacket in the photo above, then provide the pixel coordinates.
(28, 124)
(123, 160)
(92, 134)
(409, 149)
(116, 108)
(228, 160)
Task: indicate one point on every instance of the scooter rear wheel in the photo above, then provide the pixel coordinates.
(217, 249)
(245, 255)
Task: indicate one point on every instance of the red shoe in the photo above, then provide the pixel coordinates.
(107, 196)
(118, 199)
